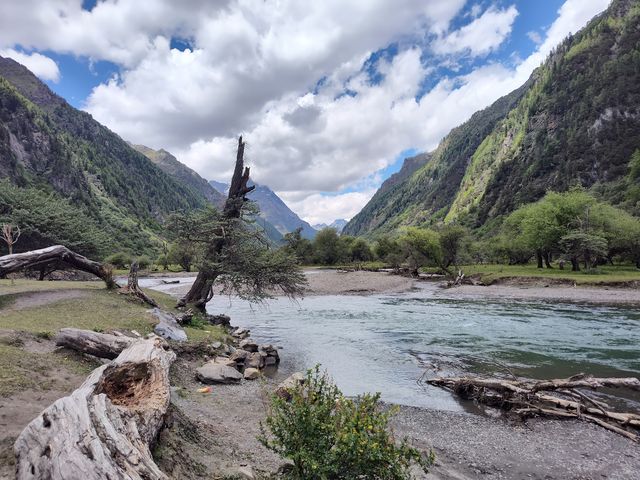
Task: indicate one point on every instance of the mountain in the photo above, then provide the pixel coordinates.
(273, 210)
(576, 121)
(116, 197)
(337, 225)
(173, 167)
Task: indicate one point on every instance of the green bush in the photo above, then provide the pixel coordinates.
(329, 436)
(119, 260)
(144, 262)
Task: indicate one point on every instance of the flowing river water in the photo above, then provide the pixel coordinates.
(387, 343)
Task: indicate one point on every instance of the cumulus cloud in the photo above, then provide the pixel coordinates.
(484, 34)
(290, 76)
(41, 65)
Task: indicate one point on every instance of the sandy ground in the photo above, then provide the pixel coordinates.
(38, 299)
(596, 295)
(467, 446)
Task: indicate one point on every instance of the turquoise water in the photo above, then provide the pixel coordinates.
(387, 343)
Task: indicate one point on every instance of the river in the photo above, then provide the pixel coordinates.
(386, 343)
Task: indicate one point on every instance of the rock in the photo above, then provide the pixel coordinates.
(239, 356)
(283, 390)
(241, 333)
(254, 360)
(249, 345)
(219, 320)
(270, 361)
(246, 472)
(251, 373)
(225, 361)
(212, 372)
(167, 326)
(216, 345)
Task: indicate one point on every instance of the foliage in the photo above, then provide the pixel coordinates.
(330, 436)
(584, 245)
(144, 262)
(328, 249)
(183, 253)
(452, 238)
(296, 244)
(119, 260)
(235, 255)
(421, 247)
(388, 250)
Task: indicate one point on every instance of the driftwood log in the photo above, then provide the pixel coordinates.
(132, 288)
(102, 345)
(564, 398)
(56, 253)
(107, 427)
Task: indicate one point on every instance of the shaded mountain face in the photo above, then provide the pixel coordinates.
(173, 167)
(576, 121)
(48, 147)
(273, 210)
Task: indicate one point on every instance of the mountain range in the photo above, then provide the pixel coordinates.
(575, 122)
(337, 225)
(273, 210)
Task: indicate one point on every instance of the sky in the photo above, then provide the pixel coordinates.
(330, 96)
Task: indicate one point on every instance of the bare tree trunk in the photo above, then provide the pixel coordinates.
(547, 259)
(539, 258)
(102, 345)
(107, 427)
(201, 290)
(60, 253)
(133, 289)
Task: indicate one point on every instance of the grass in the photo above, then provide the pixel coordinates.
(97, 309)
(23, 370)
(605, 274)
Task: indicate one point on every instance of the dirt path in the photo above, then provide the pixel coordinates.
(38, 299)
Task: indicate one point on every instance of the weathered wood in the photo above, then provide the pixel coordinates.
(132, 288)
(107, 427)
(60, 253)
(101, 345)
(201, 290)
(528, 397)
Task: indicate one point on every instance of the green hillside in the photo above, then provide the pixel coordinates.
(50, 150)
(576, 122)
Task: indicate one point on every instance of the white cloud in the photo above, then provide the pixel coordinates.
(41, 65)
(535, 37)
(252, 68)
(483, 35)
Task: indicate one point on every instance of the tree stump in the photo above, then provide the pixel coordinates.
(107, 427)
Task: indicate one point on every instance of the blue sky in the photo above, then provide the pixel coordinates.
(331, 96)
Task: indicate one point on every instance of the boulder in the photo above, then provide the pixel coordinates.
(284, 389)
(216, 345)
(212, 372)
(254, 360)
(219, 320)
(225, 361)
(168, 326)
(251, 373)
(240, 333)
(249, 345)
(239, 356)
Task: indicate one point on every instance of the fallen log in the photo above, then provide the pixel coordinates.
(57, 253)
(107, 427)
(102, 345)
(548, 397)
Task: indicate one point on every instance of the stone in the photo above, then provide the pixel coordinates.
(212, 372)
(239, 356)
(225, 361)
(251, 373)
(283, 390)
(219, 320)
(167, 326)
(249, 345)
(216, 345)
(254, 360)
(270, 361)
(241, 333)
(246, 472)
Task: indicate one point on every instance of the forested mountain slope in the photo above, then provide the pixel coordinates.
(575, 122)
(50, 149)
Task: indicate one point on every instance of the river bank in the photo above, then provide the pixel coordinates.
(467, 446)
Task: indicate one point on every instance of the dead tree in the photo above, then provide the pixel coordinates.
(108, 426)
(10, 235)
(35, 258)
(202, 289)
(132, 288)
(101, 345)
(563, 398)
